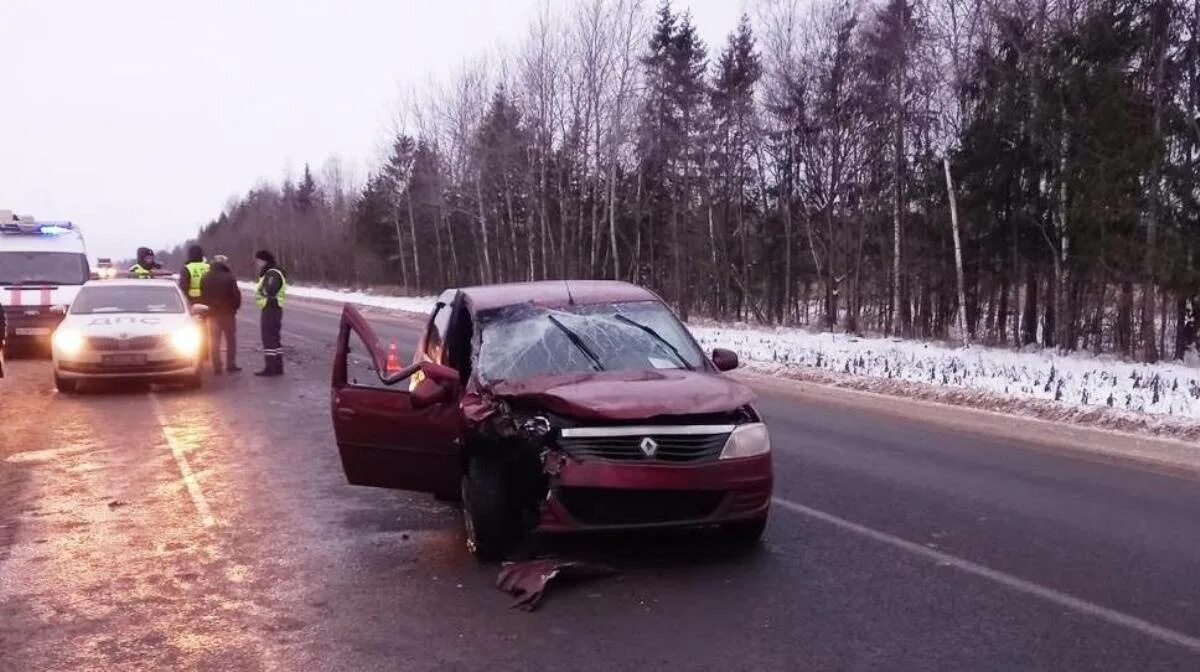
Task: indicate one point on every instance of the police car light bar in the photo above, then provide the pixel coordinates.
(37, 228)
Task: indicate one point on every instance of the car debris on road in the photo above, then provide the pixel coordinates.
(528, 580)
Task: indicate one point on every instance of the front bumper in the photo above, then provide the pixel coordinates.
(602, 494)
(161, 363)
(30, 323)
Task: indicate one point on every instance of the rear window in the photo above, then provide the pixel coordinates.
(43, 268)
(127, 299)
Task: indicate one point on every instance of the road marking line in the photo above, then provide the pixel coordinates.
(185, 469)
(1008, 580)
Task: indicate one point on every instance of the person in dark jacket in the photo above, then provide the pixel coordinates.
(270, 294)
(193, 272)
(219, 291)
(146, 266)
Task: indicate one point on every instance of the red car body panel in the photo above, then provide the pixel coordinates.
(627, 395)
(746, 483)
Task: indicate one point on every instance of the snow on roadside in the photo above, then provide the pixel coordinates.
(408, 304)
(1164, 389)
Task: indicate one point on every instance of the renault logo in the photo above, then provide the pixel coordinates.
(649, 446)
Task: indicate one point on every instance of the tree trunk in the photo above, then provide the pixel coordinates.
(958, 262)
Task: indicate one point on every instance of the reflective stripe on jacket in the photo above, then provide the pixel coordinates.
(260, 294)
(196, 270)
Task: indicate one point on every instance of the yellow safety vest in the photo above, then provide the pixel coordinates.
(197, 270)
(140, 271)
(261, 298)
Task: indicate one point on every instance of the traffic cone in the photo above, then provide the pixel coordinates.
(393, 362)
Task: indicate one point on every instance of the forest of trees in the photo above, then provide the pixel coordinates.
(800, 172)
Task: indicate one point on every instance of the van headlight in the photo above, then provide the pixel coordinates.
(187, 341)
(68, 341)
(747, 441)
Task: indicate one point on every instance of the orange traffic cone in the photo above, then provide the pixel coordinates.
(393, 362)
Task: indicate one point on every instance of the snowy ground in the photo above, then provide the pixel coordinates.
(1164, 389)
(1046, 379)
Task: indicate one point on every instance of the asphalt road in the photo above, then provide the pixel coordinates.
(163, 529)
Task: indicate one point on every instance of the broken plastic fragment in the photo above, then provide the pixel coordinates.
(527, 580)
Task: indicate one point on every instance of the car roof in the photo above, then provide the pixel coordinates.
(131, 282)
(553, 293)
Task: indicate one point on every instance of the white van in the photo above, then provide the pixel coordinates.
(42, 265)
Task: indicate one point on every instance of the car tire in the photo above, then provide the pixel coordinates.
(745, 533)
(491, 521)
(65, 385)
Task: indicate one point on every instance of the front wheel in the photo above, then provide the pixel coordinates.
(491, 520)
(66, 385)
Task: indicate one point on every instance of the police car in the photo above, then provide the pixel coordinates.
(129, 328)
(42, 265)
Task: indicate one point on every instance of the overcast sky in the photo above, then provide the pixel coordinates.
(138, 119)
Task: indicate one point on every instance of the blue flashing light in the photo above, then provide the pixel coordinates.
(55, 228)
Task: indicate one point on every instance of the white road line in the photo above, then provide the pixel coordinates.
(185, 469)
(1007, 580)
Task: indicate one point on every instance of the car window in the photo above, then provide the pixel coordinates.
(435, 337)
(360, 367)
(33, 268)
(127, 299)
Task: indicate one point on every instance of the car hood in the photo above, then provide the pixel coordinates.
(124, 325)
(618, 395)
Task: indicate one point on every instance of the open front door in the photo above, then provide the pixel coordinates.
(383, 441)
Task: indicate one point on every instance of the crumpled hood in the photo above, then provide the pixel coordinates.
(620, 395)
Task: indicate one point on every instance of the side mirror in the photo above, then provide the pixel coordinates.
(199, 310)
(429, 392)
(725, 360)
(58, 310)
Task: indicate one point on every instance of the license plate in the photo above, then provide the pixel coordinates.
(123, 360)
(31, 331)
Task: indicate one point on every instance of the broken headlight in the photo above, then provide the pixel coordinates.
(747, 440)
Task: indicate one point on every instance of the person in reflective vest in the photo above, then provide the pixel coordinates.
(193, 272)
(270, 294)
(146, 265)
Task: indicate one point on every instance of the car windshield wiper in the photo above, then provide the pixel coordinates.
(577, 341)
(658, 337)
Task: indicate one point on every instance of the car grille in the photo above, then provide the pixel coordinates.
(670, 447)
(108, 344)
(607, 506)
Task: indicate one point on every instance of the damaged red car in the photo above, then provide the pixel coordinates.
(555, 407)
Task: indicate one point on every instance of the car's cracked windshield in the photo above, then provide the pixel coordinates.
(525, 341)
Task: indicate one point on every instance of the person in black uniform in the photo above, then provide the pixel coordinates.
(270, 295)
(219, 291)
